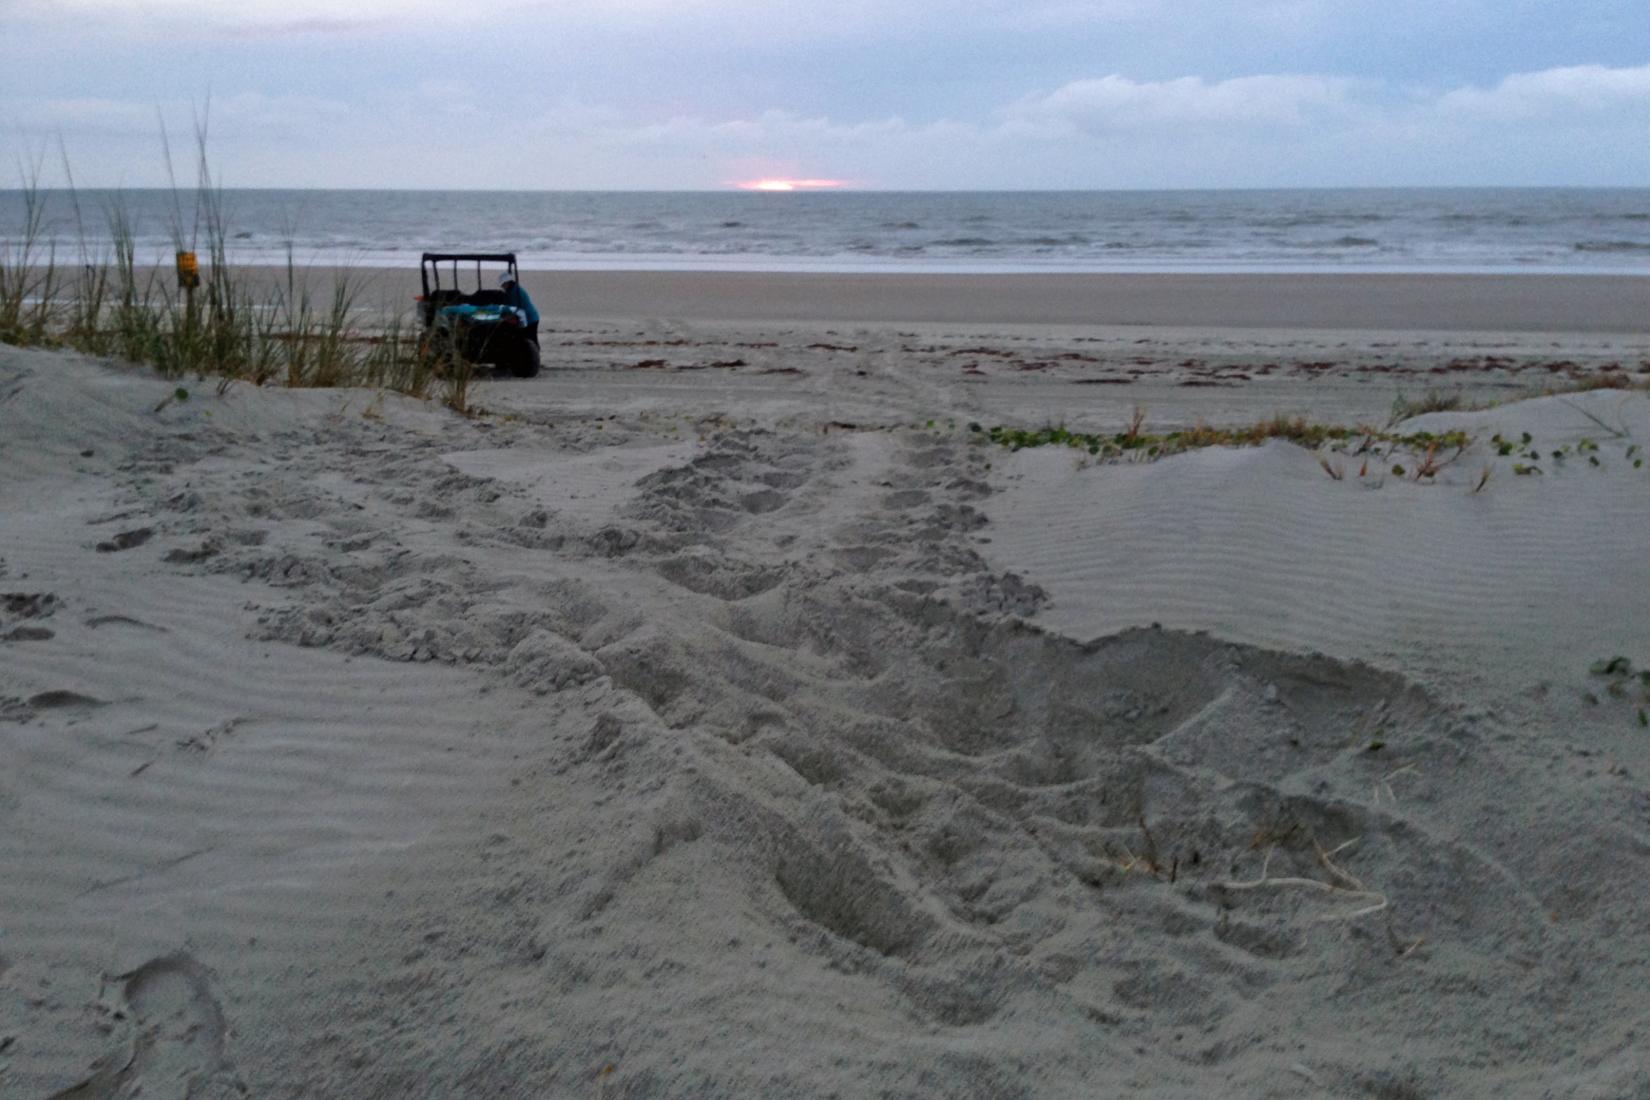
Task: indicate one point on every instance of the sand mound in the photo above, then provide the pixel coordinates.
(1497, 591)
(386, 766)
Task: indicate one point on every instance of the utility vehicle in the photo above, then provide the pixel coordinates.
(474, 325)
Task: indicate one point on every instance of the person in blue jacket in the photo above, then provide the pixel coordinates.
(515, 295)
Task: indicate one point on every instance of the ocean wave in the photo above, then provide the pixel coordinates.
(1067, 241)
(1612, 246)
(1500, 221)
(1421, 230)
(1318, 221)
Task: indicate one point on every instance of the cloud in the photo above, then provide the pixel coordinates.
(304, 26)
(1263, 130)
(1116, 103)
(209, 11)
(1575, 94)
(749, 21)
(1579, 125)
(87, 115)
(228, 117)
(245, 18)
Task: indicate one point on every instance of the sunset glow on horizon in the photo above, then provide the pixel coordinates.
(789, 185)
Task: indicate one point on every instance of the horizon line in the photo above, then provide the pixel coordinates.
(782, 195)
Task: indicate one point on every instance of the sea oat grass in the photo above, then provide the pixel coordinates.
(230, 328)
(29, 275)
(1432, 401)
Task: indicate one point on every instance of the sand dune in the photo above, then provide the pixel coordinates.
(664, 741)
(1507, 588)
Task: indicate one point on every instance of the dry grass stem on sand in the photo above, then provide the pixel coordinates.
(1345, 884)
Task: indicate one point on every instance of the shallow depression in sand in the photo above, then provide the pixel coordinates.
(581, 486)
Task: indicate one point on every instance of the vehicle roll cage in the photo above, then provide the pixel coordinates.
(430, 266)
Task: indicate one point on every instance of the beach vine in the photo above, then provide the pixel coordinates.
(1437, 448)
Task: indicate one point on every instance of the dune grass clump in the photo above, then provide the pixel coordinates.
(28, 272)
(229, 328)
(1432, 401)
(1597, 380)
(1434, 448)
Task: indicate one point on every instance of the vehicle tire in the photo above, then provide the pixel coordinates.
(525, 363)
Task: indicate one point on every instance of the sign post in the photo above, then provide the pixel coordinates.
(189, 277)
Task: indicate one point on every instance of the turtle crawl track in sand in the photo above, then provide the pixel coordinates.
(768, 784)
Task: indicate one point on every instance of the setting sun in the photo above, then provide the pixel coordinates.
(789, 185)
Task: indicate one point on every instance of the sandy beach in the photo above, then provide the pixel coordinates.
(723, 713)
(1485, 303)
(1529, 305)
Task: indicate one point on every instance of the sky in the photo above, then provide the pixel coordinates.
(912, 95)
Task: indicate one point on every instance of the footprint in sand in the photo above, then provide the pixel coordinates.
(126, 540)
(101, 621)
(28, 605)
(28, 634)
(61, 699)
(178, 1039)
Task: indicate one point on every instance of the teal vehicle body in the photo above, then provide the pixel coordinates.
(466, 317)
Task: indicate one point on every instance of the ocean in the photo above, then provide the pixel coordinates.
(1404, 230)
